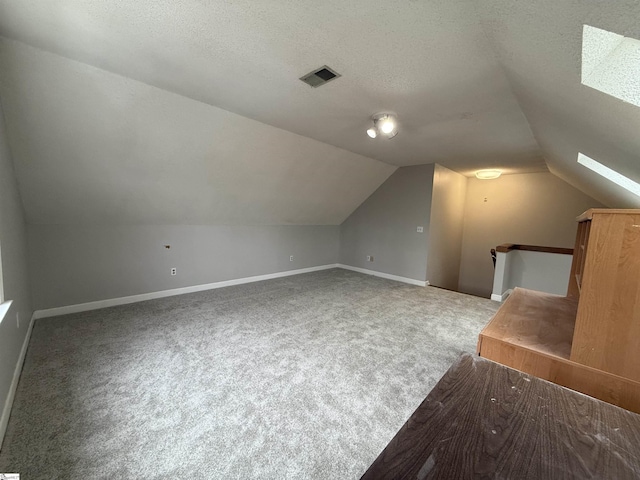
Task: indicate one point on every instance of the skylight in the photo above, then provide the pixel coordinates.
(609, 174)
(611, 64)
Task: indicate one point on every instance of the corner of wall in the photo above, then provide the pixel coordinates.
(384, 227)
(15, 327)
(446, 228)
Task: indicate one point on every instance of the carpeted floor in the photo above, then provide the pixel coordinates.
(301, 377)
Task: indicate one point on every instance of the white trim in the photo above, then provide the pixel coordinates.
(420, 283)
(501, 298)
(111, 302)
(6, 411)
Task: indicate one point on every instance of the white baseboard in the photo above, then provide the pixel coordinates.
(83, 307)
(501, 298)
(6, 410)
(420, 283)
(112, 302)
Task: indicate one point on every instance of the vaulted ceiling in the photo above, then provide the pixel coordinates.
(539, 43)
(192, 112)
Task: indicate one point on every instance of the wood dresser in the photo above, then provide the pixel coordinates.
(588, 341)
(485, 420)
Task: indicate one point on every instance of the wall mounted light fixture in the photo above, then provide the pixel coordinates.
(384, 124)
(488, 174)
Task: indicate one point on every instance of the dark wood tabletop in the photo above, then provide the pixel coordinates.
(485, 420)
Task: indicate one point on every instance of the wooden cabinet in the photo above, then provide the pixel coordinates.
(607, 333)
(579, 257)
(590, 340)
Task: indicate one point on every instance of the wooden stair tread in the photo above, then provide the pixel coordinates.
(535, 320)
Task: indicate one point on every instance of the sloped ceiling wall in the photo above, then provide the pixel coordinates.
(113, 109)
(430, 62)
(92, 147)
(539, 44)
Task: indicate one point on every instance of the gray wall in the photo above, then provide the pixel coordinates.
(545, 272)
(445, 228)
(533, 209)
(93, 147)
(384, 226)
(74, 264)
(78, 264)
(13, 250)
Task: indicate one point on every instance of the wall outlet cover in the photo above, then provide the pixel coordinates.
(420, 229)
(173, 271)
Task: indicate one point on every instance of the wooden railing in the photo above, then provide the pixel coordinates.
(507, 247)
(536, 267)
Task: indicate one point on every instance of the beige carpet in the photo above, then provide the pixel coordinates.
(301, 377)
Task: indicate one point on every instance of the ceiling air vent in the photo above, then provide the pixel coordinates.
(319, 76)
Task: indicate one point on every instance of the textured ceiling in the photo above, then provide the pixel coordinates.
(120, 111)
(540, 45)
(91, 147)
(429, 62)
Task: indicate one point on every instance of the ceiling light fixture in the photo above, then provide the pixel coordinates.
(384, 124)
(488, 174)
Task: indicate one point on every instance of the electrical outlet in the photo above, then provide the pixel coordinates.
(291, 258)
(368, 258)
(173, 271)
(420, 229)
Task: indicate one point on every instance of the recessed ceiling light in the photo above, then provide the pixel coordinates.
(488, 174)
